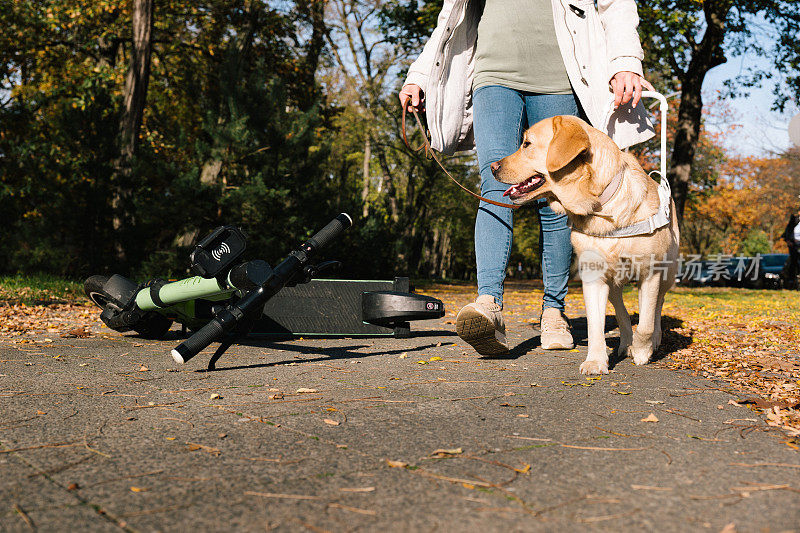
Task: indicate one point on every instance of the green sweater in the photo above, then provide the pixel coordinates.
(517, 48)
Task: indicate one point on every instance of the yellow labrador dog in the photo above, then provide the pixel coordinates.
(624, 226)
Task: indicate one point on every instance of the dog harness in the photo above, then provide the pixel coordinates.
(645, 227)
(662, 216)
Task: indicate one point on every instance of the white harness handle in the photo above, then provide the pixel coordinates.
(662, 216)
(663, 107)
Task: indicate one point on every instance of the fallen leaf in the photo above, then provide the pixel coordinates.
(276, 396)
(216, 397)
(435, 358)
(443, 452)
(80, 333)
(403, 355)
(653, 402)
(524, 470)
(769, 404)
(730, 528)
(73, 486)
(138, 489)
(650, 418)
(193, 446)
(306, 391)
(331, 422)
(396, 464)
(522, 416)
(40, 413)
(143, 369)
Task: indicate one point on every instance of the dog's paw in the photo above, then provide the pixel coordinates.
(594, 367)
(642, 356)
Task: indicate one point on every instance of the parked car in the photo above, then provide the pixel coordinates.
(695, 273)
(770, 270)
(742, 272)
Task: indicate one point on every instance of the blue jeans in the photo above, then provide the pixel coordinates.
(501, 115)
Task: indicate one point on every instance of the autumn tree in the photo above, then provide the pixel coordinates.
(228, 99)
(427, 219)
(751, 201)
(685, 39)
(134, 98)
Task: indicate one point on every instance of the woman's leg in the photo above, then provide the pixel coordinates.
(556, 248)
(499, 120)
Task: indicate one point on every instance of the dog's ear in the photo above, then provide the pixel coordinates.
(569, 141)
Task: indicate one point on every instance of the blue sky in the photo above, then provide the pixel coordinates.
(761, 132)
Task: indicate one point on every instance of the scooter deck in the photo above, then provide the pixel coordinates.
(326, 307)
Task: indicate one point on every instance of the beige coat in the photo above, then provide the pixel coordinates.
(595, 43)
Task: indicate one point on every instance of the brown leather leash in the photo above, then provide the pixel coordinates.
(430, 154)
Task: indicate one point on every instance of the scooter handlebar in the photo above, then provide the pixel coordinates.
(227, 319)
(198, 342)
(332, 230)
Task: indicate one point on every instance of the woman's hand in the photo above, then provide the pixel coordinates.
(414, 94)
(627, 85)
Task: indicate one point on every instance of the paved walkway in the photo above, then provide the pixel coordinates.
(107, 433)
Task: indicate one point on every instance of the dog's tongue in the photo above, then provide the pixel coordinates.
(511, 190)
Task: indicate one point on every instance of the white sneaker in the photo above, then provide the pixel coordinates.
(481, 325)
(554, 328)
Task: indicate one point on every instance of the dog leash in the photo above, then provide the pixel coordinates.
(428, 152)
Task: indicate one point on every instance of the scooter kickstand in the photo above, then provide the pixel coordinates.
(226, 343)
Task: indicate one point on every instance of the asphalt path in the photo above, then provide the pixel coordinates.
(363, 434)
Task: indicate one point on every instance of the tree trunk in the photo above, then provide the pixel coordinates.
(690, 115)
(706, 55)
(138, 77)
(134, 99)
(391, 190)
(366, 177)
(444, 265)
(313, 50)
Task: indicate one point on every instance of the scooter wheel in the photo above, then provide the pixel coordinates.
(151, 326)
(93, 287)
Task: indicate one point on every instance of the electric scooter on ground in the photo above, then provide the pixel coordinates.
(227, 298)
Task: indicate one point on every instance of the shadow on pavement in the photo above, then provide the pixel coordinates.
(256, 338)
(671, 340)
(327, 354)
